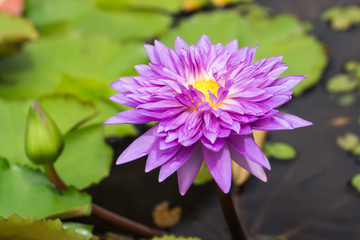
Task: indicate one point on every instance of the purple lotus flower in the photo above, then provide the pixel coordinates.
(208, 99)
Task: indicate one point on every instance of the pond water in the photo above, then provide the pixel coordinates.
(306, 198)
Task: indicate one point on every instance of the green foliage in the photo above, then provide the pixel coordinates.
(203, 176)
(355, 182)
(69, 65)
(86, 158)
(342, 18)
(158, 5)
(14, 31)
(17, 228)
(172, 237)
(105, 109)
(280, 35)
(61, 66)
(13, 116)
(84, 17)
(353, 66)
(85, 230)
(347, 142)
(342, 83)
(356, 150)
(29, 192)
(68, 112)
(280, 150)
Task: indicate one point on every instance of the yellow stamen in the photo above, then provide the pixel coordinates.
(204, 86)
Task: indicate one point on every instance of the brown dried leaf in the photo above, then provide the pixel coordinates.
(164, 217)
(339, 121)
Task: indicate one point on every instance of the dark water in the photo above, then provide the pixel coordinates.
(306, 199)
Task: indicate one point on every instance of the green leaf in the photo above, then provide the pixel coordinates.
(17, 228)
(346, 99)
(14, 31)
(13, 117)
(348, 141)
(356, 150)
(342, 18)
(84, 148)
(203, 176)
(83, 229)
(29, 192)
(352, 66)
(280, 35)
(172, 237)
(342, 83)
(86, 158)
(160, 5)
(355, 181)
(82, 16)
(69, 65)
(280, 150)
(105, 110)
(67, 111)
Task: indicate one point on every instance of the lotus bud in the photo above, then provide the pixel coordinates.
(43, 141)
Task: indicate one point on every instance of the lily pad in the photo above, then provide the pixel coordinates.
(86, 158)
(14, 32)
(342, 18)
(155, 5)
(346, 99)
(172, 237)
(279, 35)
(356, 150)
(203, 176)
(83, 229)
(280, 150)
(13, 117)
(17, 228)
(67, 111)
(69, 65)
(83, 16)
(355, 181)
(342, 83)
(29, 192)
(347, 142)
(106, 109)
(84, 148)
(353, 66)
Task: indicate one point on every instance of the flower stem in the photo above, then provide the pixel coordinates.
(54, 177)
(124, 223)
(101, 213)
(229, 212)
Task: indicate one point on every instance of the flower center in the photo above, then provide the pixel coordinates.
(204, 86)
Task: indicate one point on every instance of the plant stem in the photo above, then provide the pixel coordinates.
(124, 223)
(54, 177)
(101, 213)
(229, 212)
